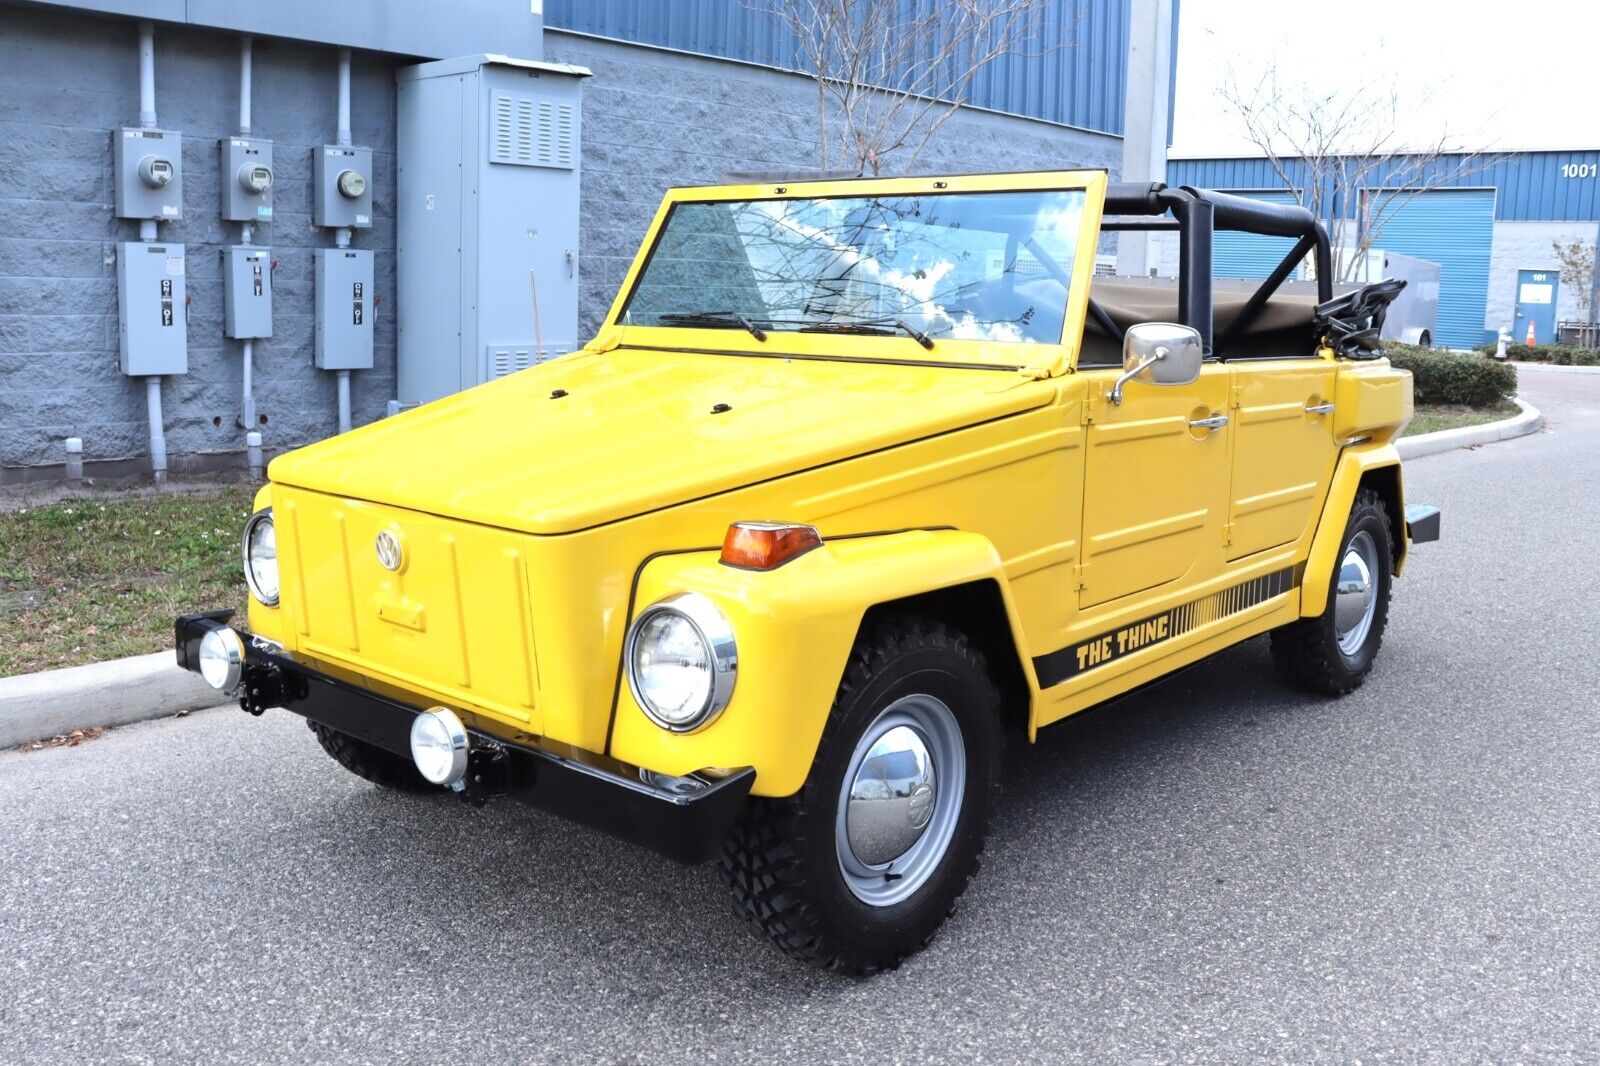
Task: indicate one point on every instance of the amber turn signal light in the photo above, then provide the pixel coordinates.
(767, 545)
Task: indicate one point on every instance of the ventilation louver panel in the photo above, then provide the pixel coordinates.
(530, 132)
(505, 360)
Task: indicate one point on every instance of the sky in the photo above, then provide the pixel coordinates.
(1486, 75)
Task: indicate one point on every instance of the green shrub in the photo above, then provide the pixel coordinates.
(1559, 354)
(1439, 376)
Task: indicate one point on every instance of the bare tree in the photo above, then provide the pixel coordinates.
(1338, 151)
(1578, 268)
(890, 73)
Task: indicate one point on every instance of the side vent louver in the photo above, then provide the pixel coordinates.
(530, 132)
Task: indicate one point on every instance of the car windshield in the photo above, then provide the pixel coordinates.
(992, 266)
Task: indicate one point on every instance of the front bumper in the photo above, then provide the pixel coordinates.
(683, 818)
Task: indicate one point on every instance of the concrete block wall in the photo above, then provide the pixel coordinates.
(655, 118)
(652, 118)
(66, 83)
(1528, 246)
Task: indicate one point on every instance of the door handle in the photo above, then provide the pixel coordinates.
(1214, 422)
(1319, 409)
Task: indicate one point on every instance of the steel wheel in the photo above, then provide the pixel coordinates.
(1356, 593)
(900, 800)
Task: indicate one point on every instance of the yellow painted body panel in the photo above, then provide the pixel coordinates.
(1374, 399)
(542, 512)
(1271, 503)
(772, 721)
(1354, 464)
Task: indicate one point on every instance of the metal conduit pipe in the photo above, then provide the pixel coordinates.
(344, 98)
(147, 76)
(148, 232)
(341, 236)
(247, 419)
(344, 400)
(158, 438)
(245, 63)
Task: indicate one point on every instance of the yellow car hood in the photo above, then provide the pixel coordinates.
(593, 437)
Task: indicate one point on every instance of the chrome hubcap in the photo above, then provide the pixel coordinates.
(1356, 593)
(900, 800)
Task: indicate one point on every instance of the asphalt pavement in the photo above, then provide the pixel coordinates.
(1217, 869)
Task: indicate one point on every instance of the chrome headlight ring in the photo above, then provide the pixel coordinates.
(263, 516)
(715, 634)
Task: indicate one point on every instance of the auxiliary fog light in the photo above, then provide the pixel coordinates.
(221, 658)
(439, 746)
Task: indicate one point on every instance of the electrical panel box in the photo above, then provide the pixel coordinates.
(247, 293)
(344, 309)
(153, 333)
(247, 178)
(341, 187)
(487, 219)
(148, 174)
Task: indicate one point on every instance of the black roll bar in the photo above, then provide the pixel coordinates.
(1199, 213)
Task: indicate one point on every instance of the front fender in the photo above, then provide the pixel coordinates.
(1354, 465)
(794, 627)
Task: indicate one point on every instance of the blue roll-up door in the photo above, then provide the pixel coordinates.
(1454, 228)
(1248, 255)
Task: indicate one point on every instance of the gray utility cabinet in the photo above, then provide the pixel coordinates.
(344, 309)
(247, 292)
(152, 309)
(487, 220)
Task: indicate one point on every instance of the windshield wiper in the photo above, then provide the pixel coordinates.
(883, 328)
(718, 319)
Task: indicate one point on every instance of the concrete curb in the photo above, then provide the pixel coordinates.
(52, 702)
(1446, 440)
(1553, 368)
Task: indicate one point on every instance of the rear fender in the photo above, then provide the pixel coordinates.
(795, 627)
(1377, 466)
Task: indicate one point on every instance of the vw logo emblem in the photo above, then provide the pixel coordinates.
(389, 553)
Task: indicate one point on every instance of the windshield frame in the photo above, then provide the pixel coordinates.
(897, 347)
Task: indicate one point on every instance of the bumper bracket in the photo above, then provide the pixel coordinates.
(683, 818)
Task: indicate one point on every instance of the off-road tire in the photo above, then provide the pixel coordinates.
(780, 859)
(381, 767)
(1307, 652)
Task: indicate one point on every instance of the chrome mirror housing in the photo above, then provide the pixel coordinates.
(1159, 353)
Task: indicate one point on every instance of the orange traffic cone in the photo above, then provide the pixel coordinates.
(1530, 341)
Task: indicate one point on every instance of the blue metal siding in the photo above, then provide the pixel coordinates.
(1074, 70)
(1454, 228)
(1532, 185)
(1250, 255)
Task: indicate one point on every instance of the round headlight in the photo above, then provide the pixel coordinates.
(261, 557)
(439, 746)
(681, 662)
(221, 658)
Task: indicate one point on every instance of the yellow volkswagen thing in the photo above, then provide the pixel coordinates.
(857, 478)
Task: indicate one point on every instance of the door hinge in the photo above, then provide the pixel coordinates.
(1236, 396)
(1087, 409)
(1080, 576)
(1227, 534)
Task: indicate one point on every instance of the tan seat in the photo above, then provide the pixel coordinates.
(1282, 329)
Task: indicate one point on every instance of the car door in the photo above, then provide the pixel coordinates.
(1155, 484)
(1283, 450)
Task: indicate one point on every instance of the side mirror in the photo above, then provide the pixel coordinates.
(1159, 353)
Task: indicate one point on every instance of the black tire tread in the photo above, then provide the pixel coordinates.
(381, 767)
(1304, 654)
(759, 859)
